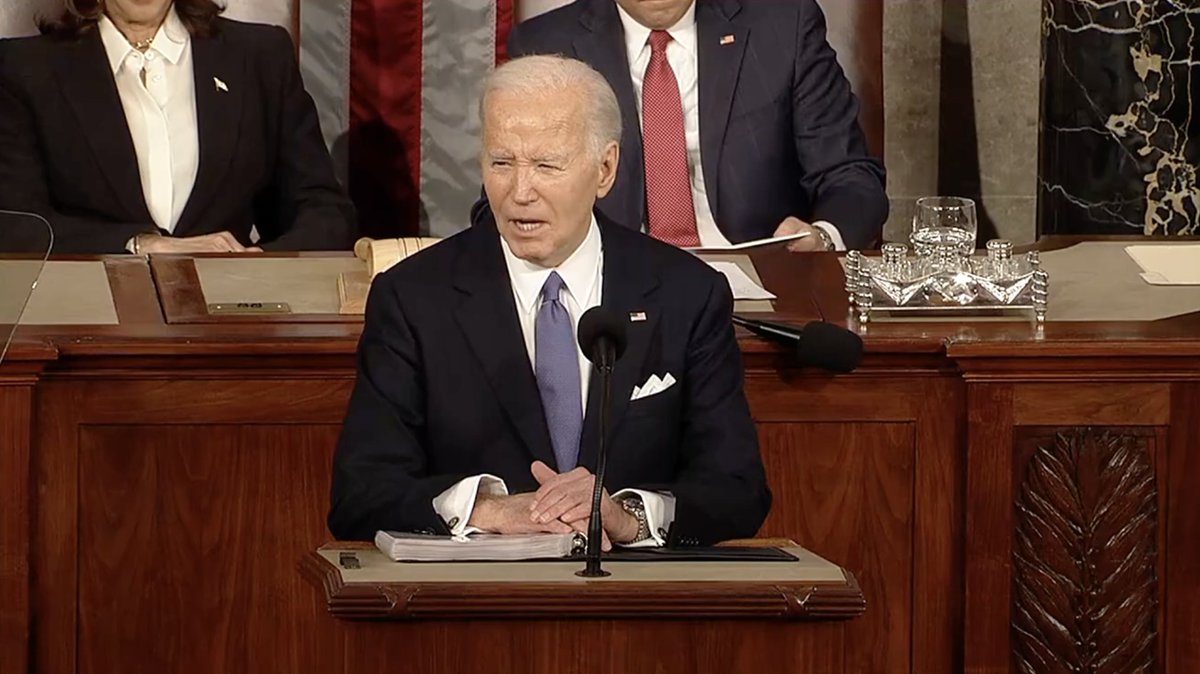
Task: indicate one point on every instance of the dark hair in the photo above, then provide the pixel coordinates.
(80, 16)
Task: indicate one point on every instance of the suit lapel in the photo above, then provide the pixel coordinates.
(88, 84)
(603, 46)
(487, 316)
(220, 89)
(629, 285)
(720, 62)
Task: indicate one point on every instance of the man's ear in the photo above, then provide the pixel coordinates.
(609, 159)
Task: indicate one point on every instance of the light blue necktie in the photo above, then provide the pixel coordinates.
(556, 365)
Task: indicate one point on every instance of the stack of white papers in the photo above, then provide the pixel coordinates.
(1168, 264)
(749, 244)
(743, 287)
(405, 547)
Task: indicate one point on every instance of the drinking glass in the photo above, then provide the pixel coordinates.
(944, 227)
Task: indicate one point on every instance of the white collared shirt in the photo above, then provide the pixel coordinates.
(158, 94)
(583, 278)
(582, 275)
(683, 55)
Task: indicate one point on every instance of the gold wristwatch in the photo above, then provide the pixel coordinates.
(826, 240)
(634, 506)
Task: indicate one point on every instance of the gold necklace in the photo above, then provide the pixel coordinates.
(142, 45)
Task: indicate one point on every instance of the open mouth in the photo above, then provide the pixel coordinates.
(528, 226)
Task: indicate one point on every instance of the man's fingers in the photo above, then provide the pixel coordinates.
(562, 481)
(557, 527)
(230, 240)
(541, 472)
(579, 512)
(805, 245)
(553, 511)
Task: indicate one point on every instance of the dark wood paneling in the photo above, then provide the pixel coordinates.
(1182, 550)
(133, 291)
(179, 290)
(16, 414)
(845, 491)
(191, 534)
(989, 527)
(938, 537)
(1099, 404)
(599, 647)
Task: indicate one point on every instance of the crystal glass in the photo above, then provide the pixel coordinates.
(944, 227)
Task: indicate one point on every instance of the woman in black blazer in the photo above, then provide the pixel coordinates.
(155, 126)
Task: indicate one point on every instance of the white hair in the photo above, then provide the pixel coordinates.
(535, 75)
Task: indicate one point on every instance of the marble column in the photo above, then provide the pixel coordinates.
(1120, 129)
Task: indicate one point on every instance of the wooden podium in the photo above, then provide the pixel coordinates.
(539, 617)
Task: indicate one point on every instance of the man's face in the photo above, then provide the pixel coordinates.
(539, 173)
(656, 14)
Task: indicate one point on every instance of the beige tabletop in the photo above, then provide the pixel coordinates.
(375, 568)
(67, 293)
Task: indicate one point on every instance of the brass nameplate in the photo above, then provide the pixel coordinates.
(244, 308)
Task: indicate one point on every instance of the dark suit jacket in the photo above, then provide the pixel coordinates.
(445, 390)
(779, 132)
(66, 151)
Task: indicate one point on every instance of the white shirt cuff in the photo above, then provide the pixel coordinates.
(456, 504)
(660, 515)
(834, 234)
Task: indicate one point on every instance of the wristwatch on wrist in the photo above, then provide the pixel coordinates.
(826, 240)
(634, 506)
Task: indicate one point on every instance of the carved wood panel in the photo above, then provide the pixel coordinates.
(1085, 581)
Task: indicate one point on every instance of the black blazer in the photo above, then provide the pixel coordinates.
(779, 132)
(66, 151)
(445, 390)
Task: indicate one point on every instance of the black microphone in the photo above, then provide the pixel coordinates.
(602, 339)
(818, 344)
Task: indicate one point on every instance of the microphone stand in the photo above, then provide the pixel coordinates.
(595, 532)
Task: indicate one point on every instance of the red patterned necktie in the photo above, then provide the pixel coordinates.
(672, 215)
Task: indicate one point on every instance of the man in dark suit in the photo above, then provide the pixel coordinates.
(739, 105)
(475, 409)
(159, 127)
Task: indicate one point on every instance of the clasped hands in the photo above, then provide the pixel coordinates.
(562, 504)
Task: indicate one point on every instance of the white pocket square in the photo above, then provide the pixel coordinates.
(653, 386)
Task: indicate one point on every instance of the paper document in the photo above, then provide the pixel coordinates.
(1168, 265)
(409, 547)
(749, 244)
(744, 287)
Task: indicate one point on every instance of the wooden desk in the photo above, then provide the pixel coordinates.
(194, 459)
(538, 617)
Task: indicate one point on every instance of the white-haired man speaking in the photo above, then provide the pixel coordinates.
(475, 409)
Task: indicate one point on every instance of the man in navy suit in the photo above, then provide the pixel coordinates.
(739, 105)
(474, 407)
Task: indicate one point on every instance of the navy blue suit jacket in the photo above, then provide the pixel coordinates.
(779, 132)
(445, 390)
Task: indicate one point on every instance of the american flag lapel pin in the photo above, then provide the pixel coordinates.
(637, 316)
(220, 85)
(728, 39)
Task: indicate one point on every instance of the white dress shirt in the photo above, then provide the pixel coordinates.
(158, 93)
(683, 56)
(583, 277)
